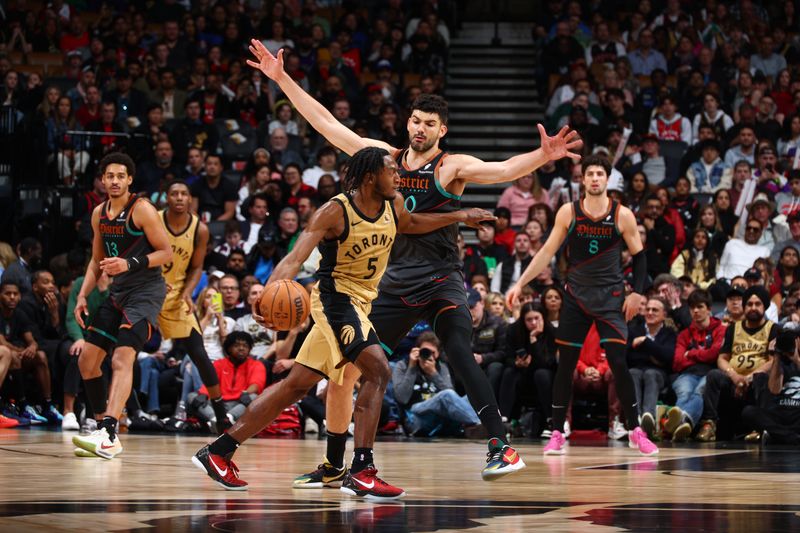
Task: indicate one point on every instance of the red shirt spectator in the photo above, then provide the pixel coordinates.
(699, 346)
(234, 379)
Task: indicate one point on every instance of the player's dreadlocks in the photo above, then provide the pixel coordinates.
(368, 160)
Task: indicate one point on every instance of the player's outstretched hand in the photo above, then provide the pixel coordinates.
(270, 65)
(561, 144)
(631, 306)
(474, 216)
(512, 296)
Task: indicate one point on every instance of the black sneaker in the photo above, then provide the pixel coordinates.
(326, 475)
(223, 471)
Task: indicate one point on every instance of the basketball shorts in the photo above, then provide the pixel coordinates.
(341, 331)
(584, 306)
(127, 319)
(393, 315)
(174, 320)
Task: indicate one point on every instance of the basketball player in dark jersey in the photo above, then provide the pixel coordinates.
(423, 280)
(130, 245)
(354, 232)
(595, 229)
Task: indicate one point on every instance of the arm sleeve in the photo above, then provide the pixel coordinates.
(639, 272)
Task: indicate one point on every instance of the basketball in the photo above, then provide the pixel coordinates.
(284, 304)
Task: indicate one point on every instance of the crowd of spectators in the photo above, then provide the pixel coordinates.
(696, 106)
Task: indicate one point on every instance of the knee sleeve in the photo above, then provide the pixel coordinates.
(193, 345)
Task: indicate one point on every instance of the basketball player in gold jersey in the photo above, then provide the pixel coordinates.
(188, 237)
(355, 231)
(424, 279)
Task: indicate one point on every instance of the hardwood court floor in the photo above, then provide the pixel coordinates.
(596, 487)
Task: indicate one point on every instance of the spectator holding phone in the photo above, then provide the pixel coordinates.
(530, 365)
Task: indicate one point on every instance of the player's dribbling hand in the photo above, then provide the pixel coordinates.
(474, 216)
(80, 310)
(260, 319)
(631, 306)
(270, 65)
(114, 265)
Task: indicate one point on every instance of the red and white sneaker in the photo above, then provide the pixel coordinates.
(6, 422)
(224, 472)
(366, 484)
(638, 439)
(555, 446)
(502, 459)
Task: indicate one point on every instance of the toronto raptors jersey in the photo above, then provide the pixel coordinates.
(354, 263)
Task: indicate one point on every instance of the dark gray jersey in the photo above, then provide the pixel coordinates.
(417, 260)
(122, 238)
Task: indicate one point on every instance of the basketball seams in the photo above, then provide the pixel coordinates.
(272, 304)
(294, 315)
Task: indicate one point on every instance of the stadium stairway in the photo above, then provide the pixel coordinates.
(494, 103)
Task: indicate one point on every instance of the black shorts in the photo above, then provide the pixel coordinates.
(393, 316)
(125, 325)
(584, 306)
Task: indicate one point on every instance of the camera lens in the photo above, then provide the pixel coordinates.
(425, 353)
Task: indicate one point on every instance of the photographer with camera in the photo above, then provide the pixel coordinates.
(776, 416)
(424, 389)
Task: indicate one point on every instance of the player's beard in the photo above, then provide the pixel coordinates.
(422, 148)
(599, 192)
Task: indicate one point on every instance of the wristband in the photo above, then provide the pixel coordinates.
(135, 264)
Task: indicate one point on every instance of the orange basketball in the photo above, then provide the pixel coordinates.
(284, 304)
